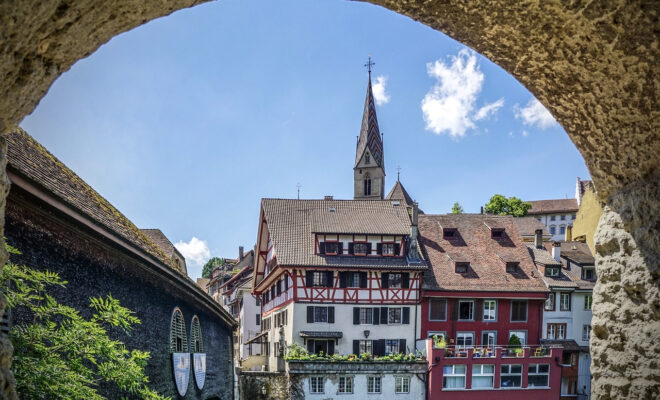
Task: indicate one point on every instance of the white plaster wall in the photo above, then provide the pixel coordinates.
(545, 219)
(580, 317)
(417, 388)
(560, 317)
(274, 334)
(249, 327)
(344, 323)
(584, 374)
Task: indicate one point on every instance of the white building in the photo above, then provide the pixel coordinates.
(569, 272)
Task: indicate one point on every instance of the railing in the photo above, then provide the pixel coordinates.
(496, 351)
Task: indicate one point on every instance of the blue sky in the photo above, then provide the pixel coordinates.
(185, 123)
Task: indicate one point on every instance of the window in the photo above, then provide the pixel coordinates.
(316, 384)
(366, 316)
(345, 384)
(490, 310)
(573, 216)
(556, 331)
(553, 229)
(551, 271)
(391, 346)
(331, 248)
(448, 233)
(568, 386)
(367, 187)
(586, 332)
(464, 339)
(320, 278)
(588, 299)
(512, 266)
(320, 314)
(489, 338)
(552, 218)
(465, 310)
(538, 375)
(437, 309)
(365, 346)
(496, 233)
(178, 339)
(196, 343)
(401, 384)
(367, 159)
(483, 376)
(563, 218)
(453, 376)
(258, 319)
(387, 249)
(360, 249)
(394, 315)
(522, 335)
(518, 310)
(588, 274)
(318, 346)
(550, 302)
(562, 230)
(373, 384)
(565, 302)
(352, 279)
(462, 267)
(510, 376)
(394, 281)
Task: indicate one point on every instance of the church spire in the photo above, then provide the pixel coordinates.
(369, 167)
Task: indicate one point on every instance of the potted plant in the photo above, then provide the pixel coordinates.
(515, 346)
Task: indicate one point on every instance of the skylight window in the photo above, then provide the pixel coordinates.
(462, 267)
(448, 233)
(496, 233)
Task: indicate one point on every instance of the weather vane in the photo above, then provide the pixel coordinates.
(369, 64)
(298, 186)
(398, 172)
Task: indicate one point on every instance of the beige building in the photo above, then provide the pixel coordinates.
(586, 221)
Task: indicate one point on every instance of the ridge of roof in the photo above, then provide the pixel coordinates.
(553, 205)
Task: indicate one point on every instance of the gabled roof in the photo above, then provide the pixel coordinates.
(552, 206)
(28, 158)
(527, 226)
(575, 256)
(292, 225)
(158, 237)
(473, 242)
(369, 132)
(398, 192)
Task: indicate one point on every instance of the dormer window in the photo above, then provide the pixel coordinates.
(388, 249)
(512, 266)
(461, 267)
(588, 274)
(331, 248)
(448, 233)
(551, 271)
(496, 233)
(361, 249)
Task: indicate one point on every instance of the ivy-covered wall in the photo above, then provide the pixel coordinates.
(93, 268)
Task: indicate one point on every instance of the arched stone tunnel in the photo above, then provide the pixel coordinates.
(594, 65)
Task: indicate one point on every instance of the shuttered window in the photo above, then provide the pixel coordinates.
(196, 343)
(178, 337)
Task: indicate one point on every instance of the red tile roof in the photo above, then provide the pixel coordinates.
(552, 206)
(473, 242)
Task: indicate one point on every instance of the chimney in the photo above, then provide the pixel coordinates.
(538, 239)
(328, 198)
(569, 233)
(240, 253)
(482, 209)
(556, 251)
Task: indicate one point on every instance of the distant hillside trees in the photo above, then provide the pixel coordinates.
(210, 266)
(500, 205)
(457, 209)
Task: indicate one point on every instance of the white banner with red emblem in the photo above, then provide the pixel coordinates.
(199, 368)
(181, 362)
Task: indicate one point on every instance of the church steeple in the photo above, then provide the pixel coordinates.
(369, 168)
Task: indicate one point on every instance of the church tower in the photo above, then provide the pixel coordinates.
(369, 169)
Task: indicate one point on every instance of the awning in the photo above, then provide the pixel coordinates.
(325, 335)
(257, 338)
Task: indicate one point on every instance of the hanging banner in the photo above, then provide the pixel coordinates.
(199, 368)
(181, 362)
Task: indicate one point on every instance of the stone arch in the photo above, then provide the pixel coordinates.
(594, 65)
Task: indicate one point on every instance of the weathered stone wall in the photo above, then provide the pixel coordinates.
(251, 386)
(594, 65)
(93, 269)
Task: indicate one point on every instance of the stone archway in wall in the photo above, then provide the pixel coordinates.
(595, 66)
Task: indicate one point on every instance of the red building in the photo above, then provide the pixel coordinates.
(482, 288)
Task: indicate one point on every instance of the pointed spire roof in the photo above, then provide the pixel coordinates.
(370, 137)
(398, 192)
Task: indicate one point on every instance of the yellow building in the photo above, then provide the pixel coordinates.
(584, 226)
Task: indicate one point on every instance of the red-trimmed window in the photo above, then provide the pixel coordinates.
(388, 249)
(361, 248)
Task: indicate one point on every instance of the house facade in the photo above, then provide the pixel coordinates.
(481, 289)
(557, 215)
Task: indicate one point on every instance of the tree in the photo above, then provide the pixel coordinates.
(58, 354)
(210, 266)
(500, 205)
(457, 209)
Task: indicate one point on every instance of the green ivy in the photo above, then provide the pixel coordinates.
(61, 355)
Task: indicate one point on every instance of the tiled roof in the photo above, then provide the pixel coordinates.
(29, 158)
(292, 224)
(369, 133)
(203, 283)
(158, 237)
(542, 256)
(579, 255)
(552, 206)
(398, 192)
(527, 226)
(473, 242)
(567, 345)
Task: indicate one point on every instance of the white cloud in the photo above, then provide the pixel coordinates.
(195, 250)
(449, 105)
(380, 95)
(489, 109)
(525, 133)
(534, 114)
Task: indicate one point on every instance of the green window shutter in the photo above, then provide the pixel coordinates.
(178, 337)
(196, 342)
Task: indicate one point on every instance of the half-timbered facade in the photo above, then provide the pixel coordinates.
(338, 276)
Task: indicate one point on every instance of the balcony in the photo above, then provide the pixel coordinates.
(536, 351)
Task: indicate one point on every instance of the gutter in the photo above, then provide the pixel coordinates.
(164, 271)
